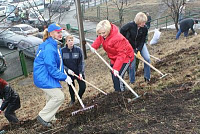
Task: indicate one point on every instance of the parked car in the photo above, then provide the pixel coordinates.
(59, 6)
(3, 65)
(24, 29)
(40, 24)
(29, 45)
(2, 10)
(61, 42)
(9, 39)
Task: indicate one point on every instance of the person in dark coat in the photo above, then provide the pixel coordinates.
(74, 64)
(185, 25)
(11, 101)
(136, 33)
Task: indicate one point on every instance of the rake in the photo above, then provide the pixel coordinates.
(155, 58)
(136, 95)
(79, 99)
(91, 85)
(81, 102)
(162, 75)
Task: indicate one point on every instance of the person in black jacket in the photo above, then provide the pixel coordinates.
(74, 64)
(185, 25)
(11, 101)
(136, 33)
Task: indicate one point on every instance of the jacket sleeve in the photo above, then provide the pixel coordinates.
(65, 67)
(7, 97)
(97, 42)
(142, 41)
(51, 65)
(124, 30)
(121, 54)
(81, 63)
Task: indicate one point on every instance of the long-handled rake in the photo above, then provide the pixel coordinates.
(155, 58)
(162, 75)
(91, 85)
(79, 99)
(136, 95)
(81, 102)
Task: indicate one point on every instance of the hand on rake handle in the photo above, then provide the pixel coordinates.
(70, 72)
(115, 72)
(80, 77)
(68, 80)
(138, 55)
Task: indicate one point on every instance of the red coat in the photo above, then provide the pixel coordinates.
(118, 48)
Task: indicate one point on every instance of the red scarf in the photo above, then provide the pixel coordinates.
(3, 83)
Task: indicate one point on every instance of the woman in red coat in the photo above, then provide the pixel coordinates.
(118, 49)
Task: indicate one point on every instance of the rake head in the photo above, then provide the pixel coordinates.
(134, 99)
(81, 110)
(163, 76)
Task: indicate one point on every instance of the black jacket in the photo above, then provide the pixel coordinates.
(9, 96)
(73, 59)
(135, 36)
(186, 24)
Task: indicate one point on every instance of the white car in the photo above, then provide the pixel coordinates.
(2, 10)
(24, 29)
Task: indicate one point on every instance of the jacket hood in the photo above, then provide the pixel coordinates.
(114, 30)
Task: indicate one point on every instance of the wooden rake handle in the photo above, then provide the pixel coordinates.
(91, 84)
(142, 59)
(137, 96)
(76, 93)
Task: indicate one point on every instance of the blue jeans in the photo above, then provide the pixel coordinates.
(179, 33)
(146, 56)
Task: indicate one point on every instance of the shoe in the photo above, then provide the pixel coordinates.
(71, 104)
(147, 80)
(44, 123)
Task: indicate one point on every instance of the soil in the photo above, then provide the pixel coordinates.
(166, 106)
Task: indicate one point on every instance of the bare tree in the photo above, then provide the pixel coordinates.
(175, 7)
(120, 6)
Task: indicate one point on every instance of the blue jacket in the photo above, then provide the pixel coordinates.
(73, 59)
(47, 71)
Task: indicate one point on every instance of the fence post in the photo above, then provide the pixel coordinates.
(157, 24)
(23, 64)
(166, 22)
(97, 11)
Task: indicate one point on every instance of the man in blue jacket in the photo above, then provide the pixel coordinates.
(185, 25)
(74, 64)
(48, 71)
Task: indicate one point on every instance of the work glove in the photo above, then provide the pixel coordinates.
(195, 33)
(70, 72)
(68, 80)
(138, 55)
(92, 49)
(115, 72)
(80, 77)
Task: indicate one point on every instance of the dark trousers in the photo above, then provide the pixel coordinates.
(82, 88)
(118, 84)
(10, 110)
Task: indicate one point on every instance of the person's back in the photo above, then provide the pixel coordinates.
(186, 24)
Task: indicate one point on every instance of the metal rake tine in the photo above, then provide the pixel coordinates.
(130, 100)
(164, 75)
(80, 110)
